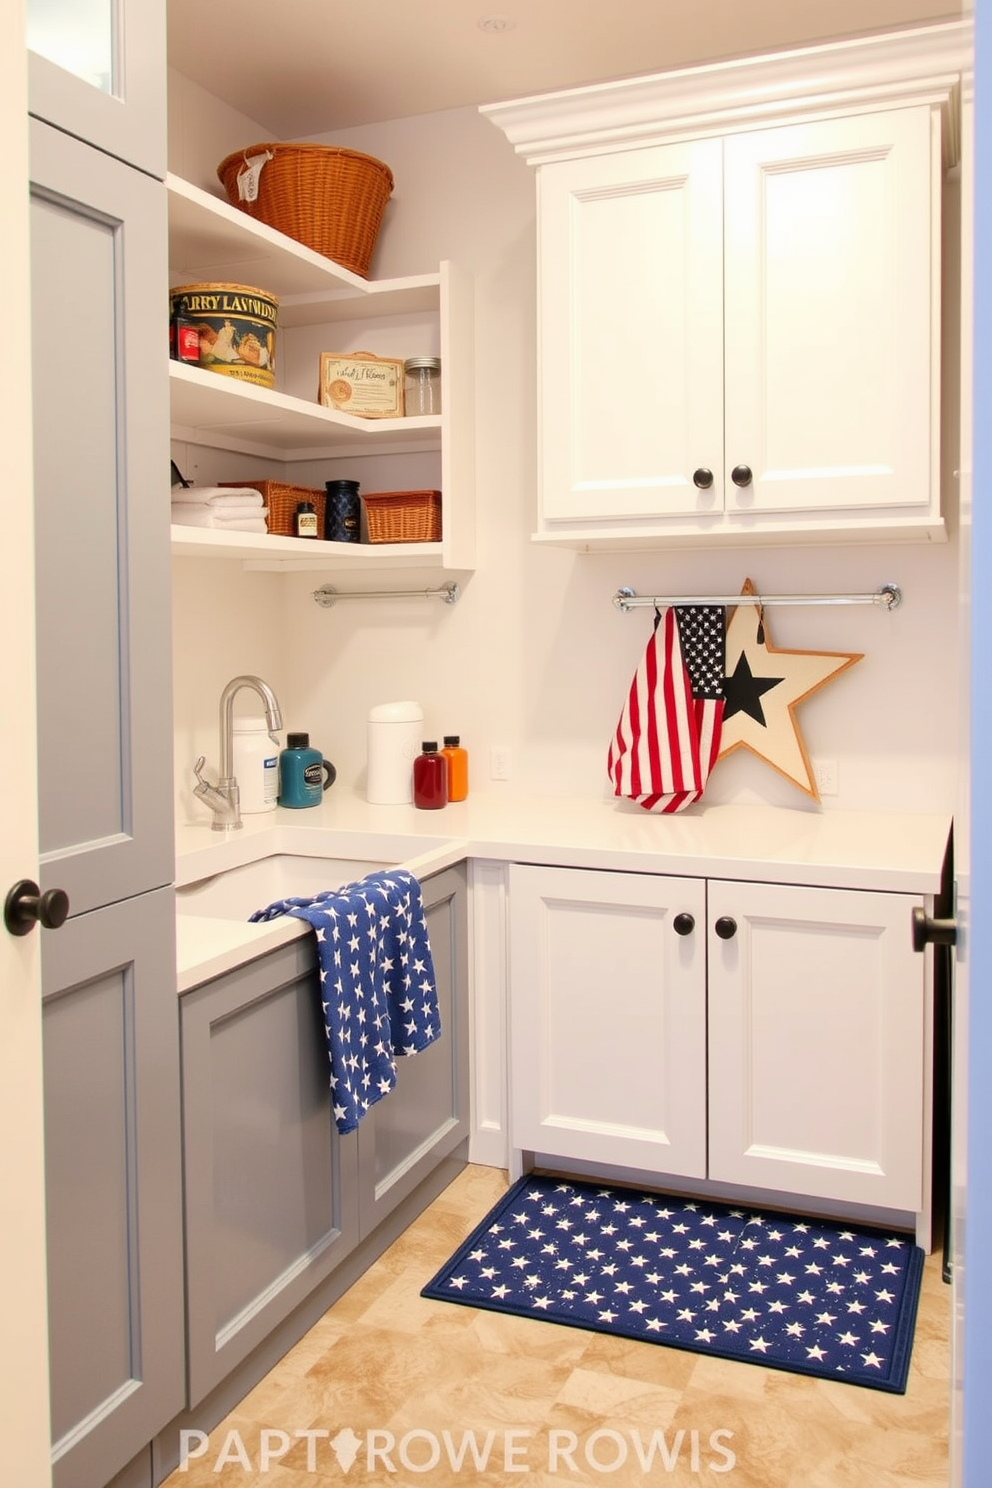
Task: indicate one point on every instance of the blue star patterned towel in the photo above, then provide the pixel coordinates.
(378, 989)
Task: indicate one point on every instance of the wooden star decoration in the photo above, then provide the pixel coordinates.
(764, 686)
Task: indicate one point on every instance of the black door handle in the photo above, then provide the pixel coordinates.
(741, 475)
(932, 932)
(703, 478)
(726, 927)
(26, 906)
(683, 924)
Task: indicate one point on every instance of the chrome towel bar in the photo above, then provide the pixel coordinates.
(889, 596)
(326, 596)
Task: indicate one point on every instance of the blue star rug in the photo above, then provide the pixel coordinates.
(799, 1294)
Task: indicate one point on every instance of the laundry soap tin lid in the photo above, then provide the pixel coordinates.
(396, 713)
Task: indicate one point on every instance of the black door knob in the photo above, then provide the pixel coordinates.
(932, 932)
(26, 906)
(741, 475)
(683, 924)
(726, 927)
(702, 478)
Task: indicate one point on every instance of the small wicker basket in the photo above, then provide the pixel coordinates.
(282, 501)
(402, 516)
(328, 198)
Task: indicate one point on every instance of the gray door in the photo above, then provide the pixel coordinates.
(100, 386)
(97, 69)
(113, 1185)
(425, 1116)
(270, 1186)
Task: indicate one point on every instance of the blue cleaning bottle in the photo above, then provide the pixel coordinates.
(304, 774)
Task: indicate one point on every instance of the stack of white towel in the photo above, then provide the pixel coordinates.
(227, 508)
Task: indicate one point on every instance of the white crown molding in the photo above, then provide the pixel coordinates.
(920, 65)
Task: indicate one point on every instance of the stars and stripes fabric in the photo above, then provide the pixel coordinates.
(668, 736)
(805, 1295)
(377, 983)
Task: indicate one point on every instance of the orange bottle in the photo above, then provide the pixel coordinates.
(457, 767)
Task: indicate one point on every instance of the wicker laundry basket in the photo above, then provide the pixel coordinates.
(326, 197)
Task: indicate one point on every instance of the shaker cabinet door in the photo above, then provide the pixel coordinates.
(113, 1185)
(101, 448)
(631, 297)
(608, 1018)
(829, 311)
(817, 1025)
(425, 1117)
(270, 1188)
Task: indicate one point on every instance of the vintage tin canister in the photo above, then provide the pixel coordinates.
(237, 325)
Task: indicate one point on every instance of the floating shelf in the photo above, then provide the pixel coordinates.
(211, 241)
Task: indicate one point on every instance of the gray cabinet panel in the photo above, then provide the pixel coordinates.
(270, 1186)
(425, 1116)
(98, 71)
(100, 368)
(113, 1176)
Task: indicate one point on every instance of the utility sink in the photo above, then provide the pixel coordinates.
(236, 893)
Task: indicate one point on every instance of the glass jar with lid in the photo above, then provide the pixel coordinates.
(422, 385)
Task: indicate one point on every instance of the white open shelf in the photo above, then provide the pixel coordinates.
(212, 242)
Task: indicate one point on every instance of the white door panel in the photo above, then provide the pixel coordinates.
(829, 313)
(632, 347)
(816, 1037)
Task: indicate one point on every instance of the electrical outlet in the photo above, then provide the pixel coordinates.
(499, 762)
(825, 775)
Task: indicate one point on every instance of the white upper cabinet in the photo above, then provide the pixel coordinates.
(739, 297)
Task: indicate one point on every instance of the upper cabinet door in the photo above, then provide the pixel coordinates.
(97, 69)
(631, 305)
(830, 312)
(101, 450)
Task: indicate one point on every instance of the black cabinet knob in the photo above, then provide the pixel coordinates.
(741, 475)
(683, 924)
(726, 927)
(702, 478)
(932, 932)
(26, 906)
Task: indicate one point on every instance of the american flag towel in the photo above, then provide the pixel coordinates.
(668, 736)
(807, 1295)
(378, 989)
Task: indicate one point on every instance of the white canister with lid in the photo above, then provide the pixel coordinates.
(394, 737)
(256, 764)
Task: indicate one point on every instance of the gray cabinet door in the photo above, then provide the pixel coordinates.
(271, 1188)
(97, 70)
(425, 1116)
(100, 368)
(113, 1185)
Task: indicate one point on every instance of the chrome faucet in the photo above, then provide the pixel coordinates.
(224, 798)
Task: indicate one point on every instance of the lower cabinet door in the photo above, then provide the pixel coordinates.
(271, 1196)
(426, 1114)
(816, 1043)
(113, 1181)
(608, 1017)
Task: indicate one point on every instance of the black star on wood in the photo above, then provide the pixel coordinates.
(743, 691)
(757, 669)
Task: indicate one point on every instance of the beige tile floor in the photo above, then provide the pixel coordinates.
(391, 1373)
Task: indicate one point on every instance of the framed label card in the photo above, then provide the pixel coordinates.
(362, 384)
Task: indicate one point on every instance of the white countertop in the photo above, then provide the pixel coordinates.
(886, 851)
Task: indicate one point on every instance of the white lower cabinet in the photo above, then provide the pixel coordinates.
(755, 1035)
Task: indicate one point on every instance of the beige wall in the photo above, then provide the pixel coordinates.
(534, 656)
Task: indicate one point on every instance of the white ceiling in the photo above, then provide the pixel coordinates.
(306, 67)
